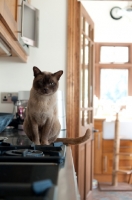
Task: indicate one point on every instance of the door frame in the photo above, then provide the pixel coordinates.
(73, 78)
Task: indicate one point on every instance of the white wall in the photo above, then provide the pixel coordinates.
(50, 56)
(106, 28)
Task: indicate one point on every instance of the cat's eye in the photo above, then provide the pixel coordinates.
(51, 83)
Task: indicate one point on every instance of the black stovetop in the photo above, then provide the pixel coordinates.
(29, 171)
(16, 147)
(32, 153)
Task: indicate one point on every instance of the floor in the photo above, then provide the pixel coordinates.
(101, 195)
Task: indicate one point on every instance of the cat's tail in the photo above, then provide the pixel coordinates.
(74, 141)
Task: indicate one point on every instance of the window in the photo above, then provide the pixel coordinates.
(113, 71)
(111, 54)
(113, 84)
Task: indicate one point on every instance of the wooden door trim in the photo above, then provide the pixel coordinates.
(73, 77)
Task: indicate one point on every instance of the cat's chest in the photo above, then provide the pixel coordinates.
(43, 111)
(42, 107)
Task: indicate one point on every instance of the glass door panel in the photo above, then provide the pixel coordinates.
(82, 74)
(91, 32)
(91, 75)
(90, 116)
(86, 28)
(86, 117)
(86, 51)
(82, 24)
(86, 73)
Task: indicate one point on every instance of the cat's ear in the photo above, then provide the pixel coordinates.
(58, 74)
(36, 71)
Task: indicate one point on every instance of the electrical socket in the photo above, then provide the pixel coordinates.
(6, 96)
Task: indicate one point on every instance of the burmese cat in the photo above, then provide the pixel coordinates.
(41, 123)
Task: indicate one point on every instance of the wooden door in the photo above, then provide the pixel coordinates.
(86, 98)
(80, 82)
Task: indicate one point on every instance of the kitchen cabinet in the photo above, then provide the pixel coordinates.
(98, 152)
(98, 124)
(125, 162)
(80, 86)
(9, 30)
(12, 5)
(103, 155)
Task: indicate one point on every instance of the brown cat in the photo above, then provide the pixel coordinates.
(41, 123)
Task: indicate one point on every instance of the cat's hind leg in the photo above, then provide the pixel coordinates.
(53, 139)
(45, 132)
(50, 131)
(54, 132)
(31, 130)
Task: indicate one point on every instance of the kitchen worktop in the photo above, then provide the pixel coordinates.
(67, 181)
(108, 126)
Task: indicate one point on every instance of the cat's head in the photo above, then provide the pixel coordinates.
(46, 83)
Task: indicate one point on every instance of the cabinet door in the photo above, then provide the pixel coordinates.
(98, 153)
(9, 29)
(12, 5)
(125, 163)
(107, 163)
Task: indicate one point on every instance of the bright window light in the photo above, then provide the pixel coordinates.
(111, 54)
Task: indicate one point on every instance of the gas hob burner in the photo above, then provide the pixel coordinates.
(54, 153)
(25, 153)
(3, 139)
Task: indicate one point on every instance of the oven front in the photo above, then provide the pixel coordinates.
(29, 171)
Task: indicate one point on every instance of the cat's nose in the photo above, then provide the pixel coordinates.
(45, 90)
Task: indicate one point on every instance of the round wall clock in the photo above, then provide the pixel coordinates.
(116, 13)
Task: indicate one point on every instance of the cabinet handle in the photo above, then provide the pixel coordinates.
(105, 164)
(98, 141)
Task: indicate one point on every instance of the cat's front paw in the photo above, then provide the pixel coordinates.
(37, 143)
(45, 142)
